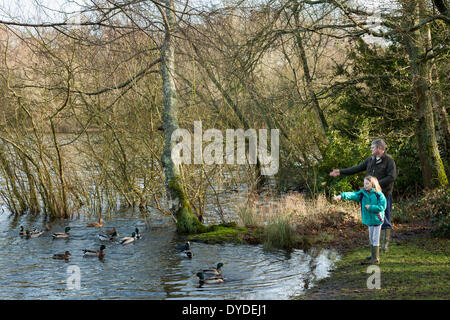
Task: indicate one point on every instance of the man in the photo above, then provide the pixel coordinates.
(382, 166)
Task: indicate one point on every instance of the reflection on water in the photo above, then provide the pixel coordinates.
(149, 269)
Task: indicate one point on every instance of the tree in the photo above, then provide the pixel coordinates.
(187, 222)
(102, 25)
(408, 21)
(433, 172)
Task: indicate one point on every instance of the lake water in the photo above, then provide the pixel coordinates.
(151, 268)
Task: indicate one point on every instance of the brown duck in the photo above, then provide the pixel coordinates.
(62, 256)
(98, 224)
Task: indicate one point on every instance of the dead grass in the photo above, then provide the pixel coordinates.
(260, 210)
(293, 220)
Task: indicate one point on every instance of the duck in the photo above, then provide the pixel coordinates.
(188, 254)
(128, 240)
(184, 247)
(35, 230)
(95, 253)
(33, 233)
(62, 235)
(62, 256)
(214, 271)
(138, 235)
(98, 224)
(208, 279)
(108, 237)
(112, 231)
(22, 231)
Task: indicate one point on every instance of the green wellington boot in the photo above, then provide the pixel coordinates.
(375, 255)
(370, 256)
(374, 258)
(387, 239)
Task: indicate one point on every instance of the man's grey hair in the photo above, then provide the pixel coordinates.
(379, 143)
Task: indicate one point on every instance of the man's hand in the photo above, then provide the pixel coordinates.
(337, 198)
(335, 173)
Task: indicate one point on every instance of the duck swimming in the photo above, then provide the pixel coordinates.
(62, 235)
(110, 232)
(208, 279)
(184, 247)
(128, 240)
(138, 235)
(62, 256)
(33, 234)
(98, 224)
(214, 271)
(108, 237)
(95, 253)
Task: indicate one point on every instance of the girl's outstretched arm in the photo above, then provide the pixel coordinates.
(353, 195)
(337, 198)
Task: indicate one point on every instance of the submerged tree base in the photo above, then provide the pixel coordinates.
(228, 232)
(187, 221)
(232, 233)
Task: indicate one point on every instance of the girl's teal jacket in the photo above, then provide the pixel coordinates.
(374, 216)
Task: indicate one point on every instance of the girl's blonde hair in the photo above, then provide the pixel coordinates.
(374, 182)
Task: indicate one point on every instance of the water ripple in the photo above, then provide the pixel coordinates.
(150, 268)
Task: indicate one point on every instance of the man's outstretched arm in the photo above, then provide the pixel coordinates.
(352, 170)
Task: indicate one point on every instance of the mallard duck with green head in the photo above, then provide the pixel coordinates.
(214, 271)
(138, 235)
(184, 247)
(128, 240)
(208, 279)
(62, 256)
(33, 234)
(110, 232)
(95, 253)
(108, 237)
(62, 235)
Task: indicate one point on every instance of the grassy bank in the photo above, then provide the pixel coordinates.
(416, 267)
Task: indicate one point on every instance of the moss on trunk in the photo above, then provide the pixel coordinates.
(187, 221)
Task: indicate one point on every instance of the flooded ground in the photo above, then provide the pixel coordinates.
(151, 268)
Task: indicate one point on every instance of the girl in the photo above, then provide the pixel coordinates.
(373, 204)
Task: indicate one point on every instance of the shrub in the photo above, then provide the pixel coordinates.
(442, 230)
(433, 205)
(279, 233)
(342, 152)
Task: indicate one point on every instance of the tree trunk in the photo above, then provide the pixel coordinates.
(187, 222)
(433, 172)
(440, 113)
(307, 75)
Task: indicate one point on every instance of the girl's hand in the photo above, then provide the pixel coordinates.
(337, 198)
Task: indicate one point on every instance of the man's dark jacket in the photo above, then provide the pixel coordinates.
(385, 171)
